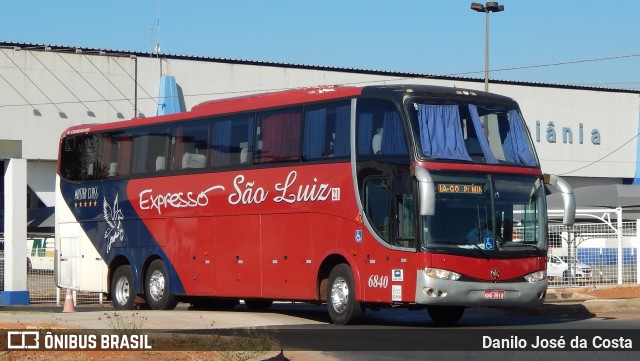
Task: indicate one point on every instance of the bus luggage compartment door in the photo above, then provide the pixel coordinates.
(79, 265)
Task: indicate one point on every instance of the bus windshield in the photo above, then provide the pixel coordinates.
(494, 134)
(493, 213)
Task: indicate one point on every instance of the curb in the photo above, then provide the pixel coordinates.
(574, 301)
(584, 308)
(577, 302)
(613, 305)
(567, 295)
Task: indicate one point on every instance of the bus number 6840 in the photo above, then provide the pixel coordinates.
(376, 281)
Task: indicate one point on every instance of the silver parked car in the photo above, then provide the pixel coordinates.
(558, 268)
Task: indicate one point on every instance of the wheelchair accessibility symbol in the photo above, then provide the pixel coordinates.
(489, 244)
(358, 236)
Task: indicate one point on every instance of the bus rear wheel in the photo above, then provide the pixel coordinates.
(157, 287)
(122, 295)
(342, 305)
(445, 315)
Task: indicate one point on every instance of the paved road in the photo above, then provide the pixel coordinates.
(389, 334)
(287, 314)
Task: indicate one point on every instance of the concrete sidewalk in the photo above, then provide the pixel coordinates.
(579, 301)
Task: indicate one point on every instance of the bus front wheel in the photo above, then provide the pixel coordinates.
(122, 294)
(445, 315)
(157, 287)
(341, 303)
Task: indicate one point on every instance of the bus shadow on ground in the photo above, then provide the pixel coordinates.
(547, 314)
(473, 317)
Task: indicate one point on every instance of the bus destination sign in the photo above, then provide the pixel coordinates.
(460, 188)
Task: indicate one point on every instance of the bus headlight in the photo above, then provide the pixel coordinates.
(536, 276)
(442, 274)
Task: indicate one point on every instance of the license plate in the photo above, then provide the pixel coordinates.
(493, 294)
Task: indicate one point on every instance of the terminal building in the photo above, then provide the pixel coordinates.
(587, 135)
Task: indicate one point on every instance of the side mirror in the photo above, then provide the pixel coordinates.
(426, 192)
(568, 199)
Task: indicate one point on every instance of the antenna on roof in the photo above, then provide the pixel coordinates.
(151, 42)
(157, 48)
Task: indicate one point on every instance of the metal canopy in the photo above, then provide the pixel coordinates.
(607, 197)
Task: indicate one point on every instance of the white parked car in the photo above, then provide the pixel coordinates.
(40, 251)
(558, 268)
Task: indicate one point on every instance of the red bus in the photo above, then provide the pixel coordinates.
(357, 197)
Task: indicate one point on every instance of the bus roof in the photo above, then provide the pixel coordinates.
(434, 92)
(275, 99)
(291, 97)
(230, 105)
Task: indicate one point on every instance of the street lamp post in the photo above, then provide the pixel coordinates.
(489, 7)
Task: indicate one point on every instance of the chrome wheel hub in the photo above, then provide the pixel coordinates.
(339, 294)
(156, 285)
(122, 290)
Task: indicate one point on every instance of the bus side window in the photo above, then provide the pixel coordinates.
(389, 207)
(115, 152)
(150, 149)
(190, 145)
(326, 131)
(70, 158)
(232, 140)
(379, 129)
(87, 148)
(279, 135)
(377, 205)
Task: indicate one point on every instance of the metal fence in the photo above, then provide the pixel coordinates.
(41, 283)
(586, 254)
(590, 254)
(42, 289)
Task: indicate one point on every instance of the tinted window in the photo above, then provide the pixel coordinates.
(379, 129)
(326, 131)
(377, 205)
(278, 135)
(151, 149)
(79, 157)
(190, 145)
(116, 153)
(232, 140)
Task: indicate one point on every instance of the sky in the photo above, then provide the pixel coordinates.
(588, 42)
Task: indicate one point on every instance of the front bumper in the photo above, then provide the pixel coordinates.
(435, 291)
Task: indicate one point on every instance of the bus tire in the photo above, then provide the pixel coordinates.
(341, 301)
(157, 287)
(258, 304)
(445, 315)
(122, 295)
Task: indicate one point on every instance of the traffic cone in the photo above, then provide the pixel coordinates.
(68, 302)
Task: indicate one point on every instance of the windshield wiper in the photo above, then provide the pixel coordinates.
(514, 244)
(485, 254)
